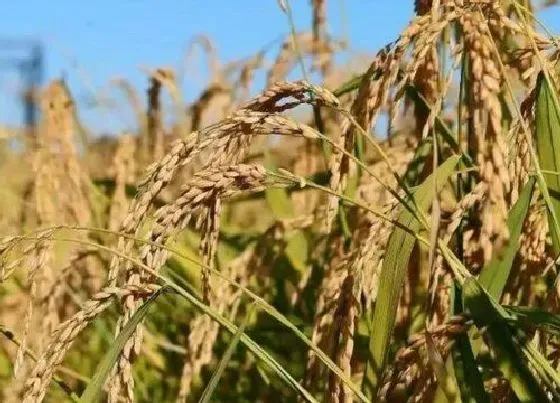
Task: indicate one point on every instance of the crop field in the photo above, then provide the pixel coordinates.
(380, 231)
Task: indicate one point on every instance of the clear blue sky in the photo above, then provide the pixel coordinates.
(95, 41)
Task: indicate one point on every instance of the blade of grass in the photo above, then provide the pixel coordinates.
(274, 313)
(538, 362)
(211, 387)
(277, 198)
(297, 251)
(297, 248)
(254, 347)
(547, 120)
(487, 313)
(444, 376)
(465, 135)
(469, 378)
(316, 109)
(440, 125)
(393, 273)
(494, 275)
(525, 316)
(418, 162)
(354, 83)
(95, 387)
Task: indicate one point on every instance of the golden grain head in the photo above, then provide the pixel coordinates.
(346, 251)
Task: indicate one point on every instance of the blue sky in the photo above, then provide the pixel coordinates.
(92, 42)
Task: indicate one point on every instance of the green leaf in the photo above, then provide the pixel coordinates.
(494, 276)
(441, 127)
(469, 378)
(279, 202)
(95, 386)
(297, 251)
(418, 162)
(547, 122)
(297, 248)
(393, 272)
(182, 263)
(277, 198)
(211, 387)
(487, 313)
(273, 312)
(443, 371)
(539, 363)
(354, 83)
(253, 346)
(533, 318)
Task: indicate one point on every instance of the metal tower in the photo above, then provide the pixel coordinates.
(26, 56)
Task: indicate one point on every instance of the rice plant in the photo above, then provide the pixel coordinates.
(281, 247)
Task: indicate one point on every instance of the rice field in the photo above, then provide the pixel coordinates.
(288, 246)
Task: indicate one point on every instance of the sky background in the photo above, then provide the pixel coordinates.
(92, 42)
